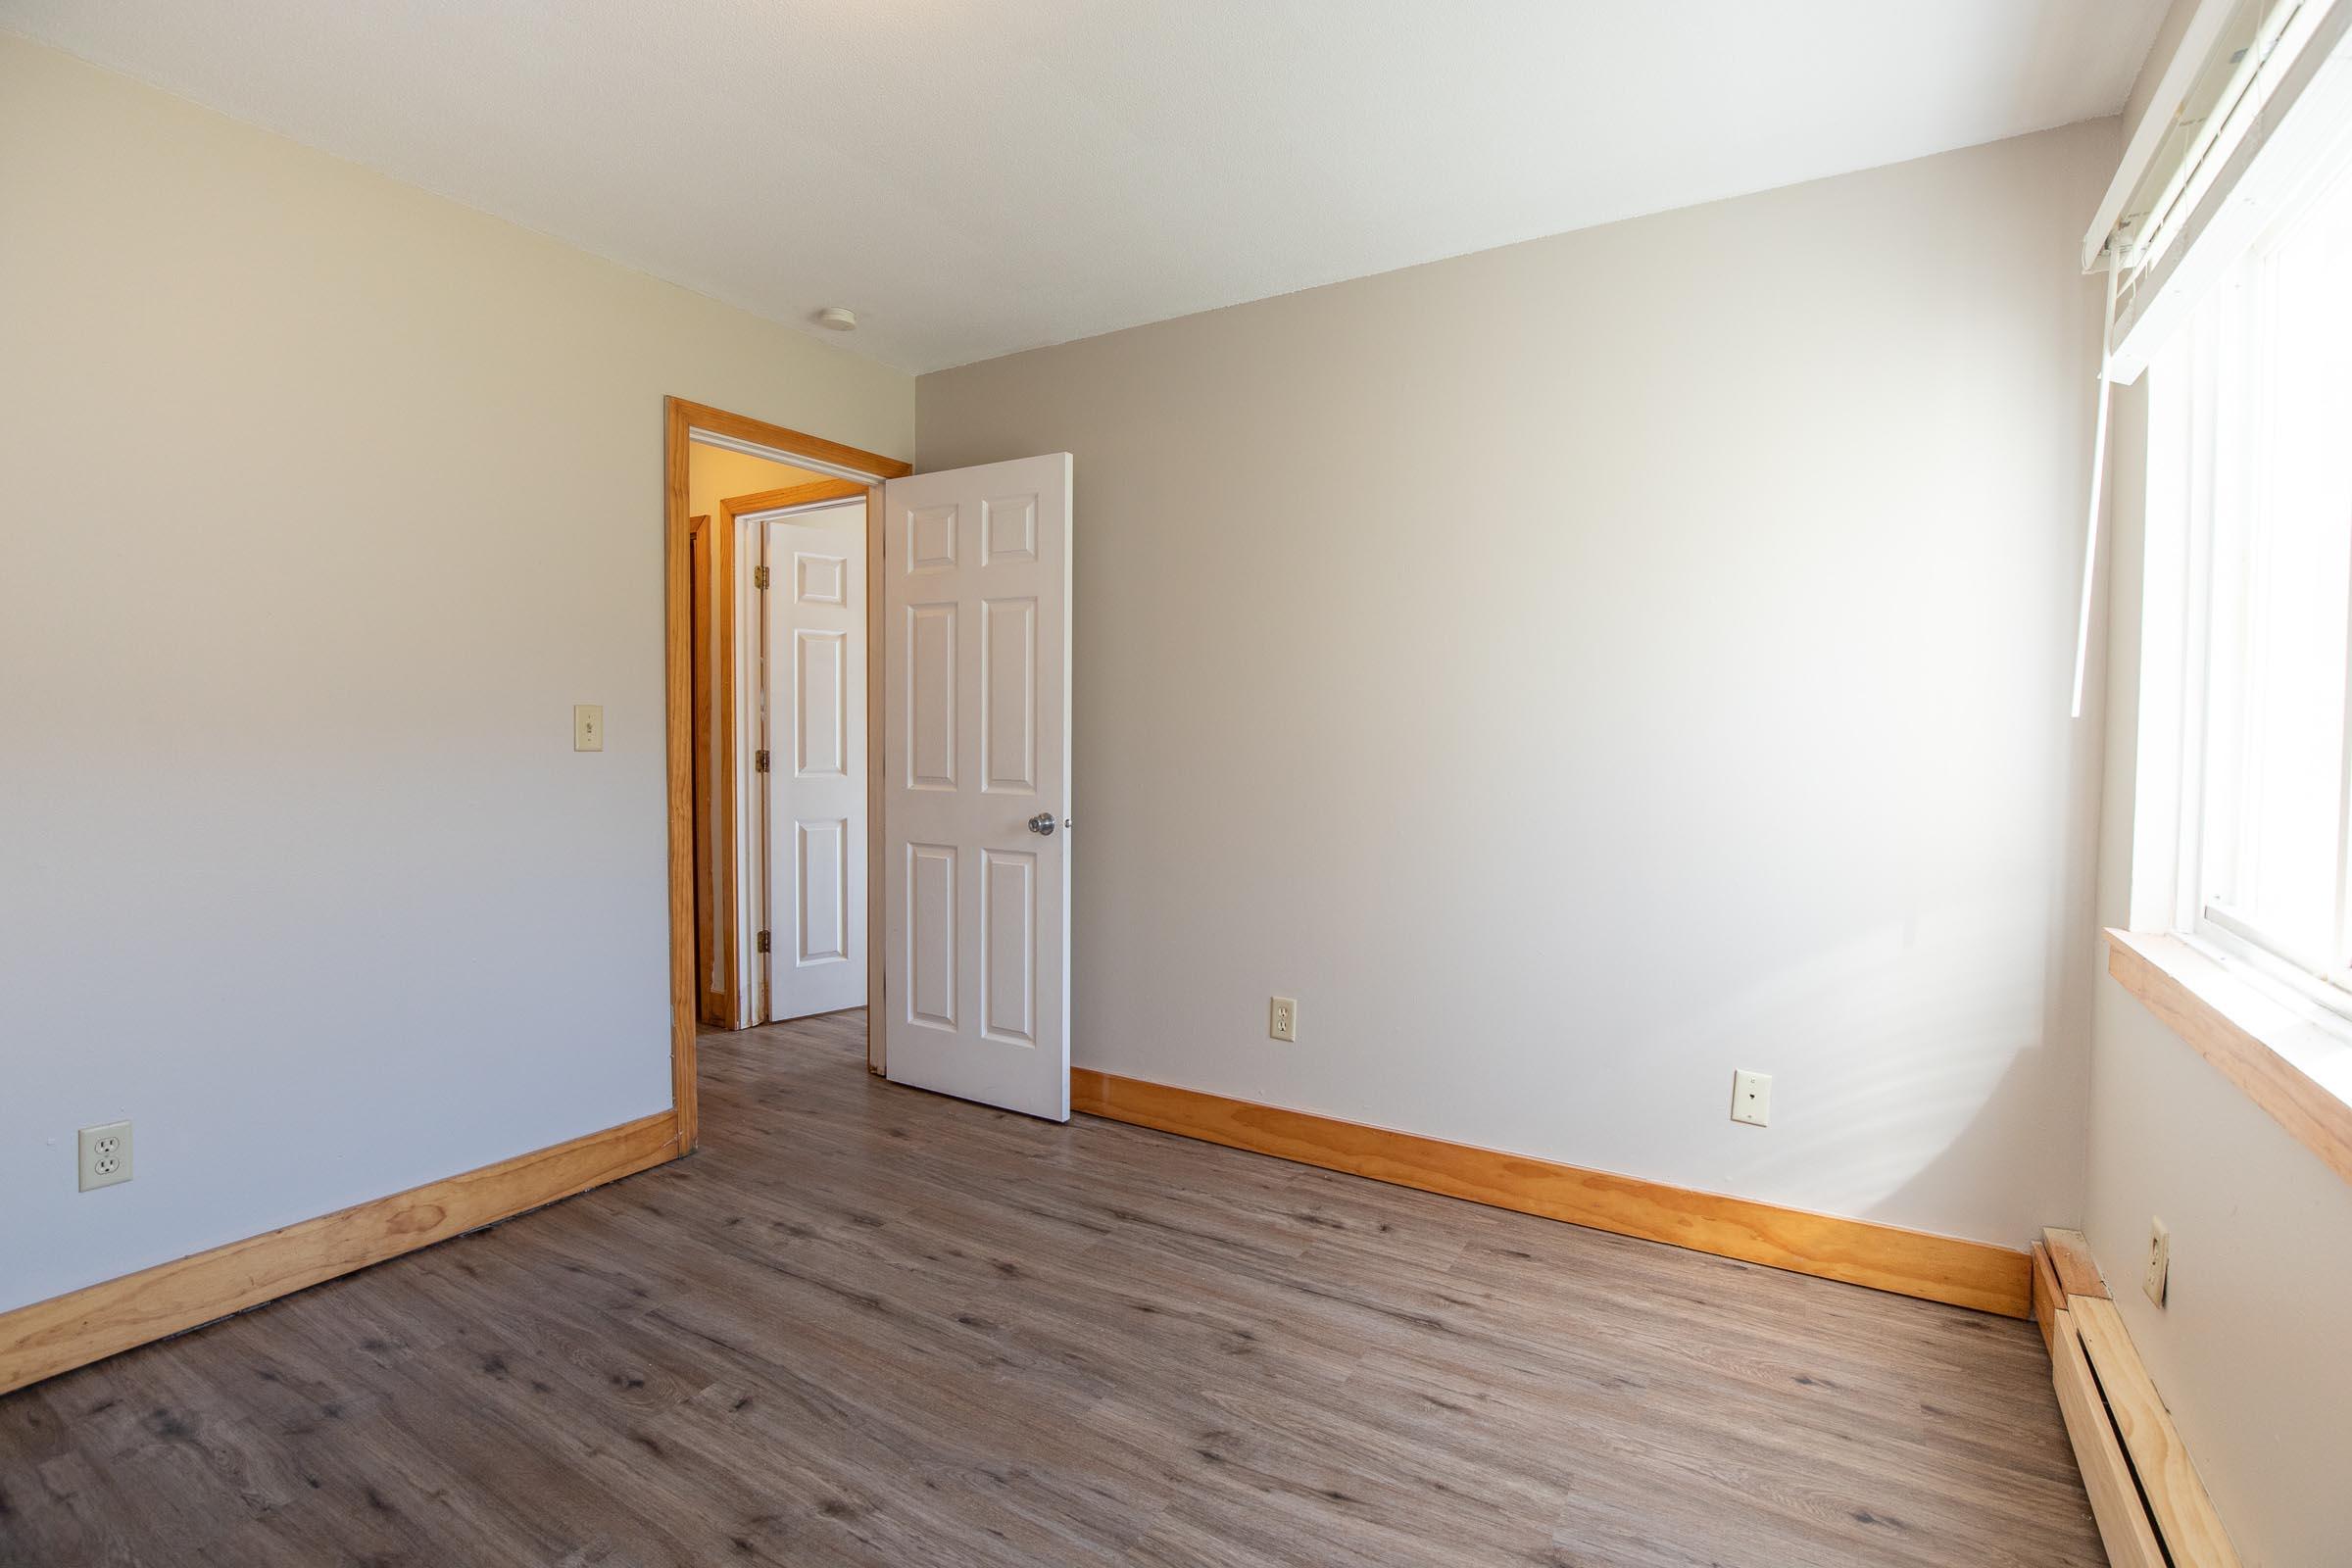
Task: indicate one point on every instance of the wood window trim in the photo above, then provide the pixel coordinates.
(2296, 1067)
(679, 420)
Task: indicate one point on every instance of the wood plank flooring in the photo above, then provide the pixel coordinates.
(869, 1325)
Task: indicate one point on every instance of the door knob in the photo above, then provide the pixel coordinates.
(1042, 823)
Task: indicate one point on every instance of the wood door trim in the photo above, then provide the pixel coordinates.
(794, 495)
(712, 972)
(679, 420)
(63, 1332)
(1886, 1257)
(722, 825)
(792, 443)
(876, 909)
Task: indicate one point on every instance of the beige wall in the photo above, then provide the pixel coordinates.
(2249, 1350)
(1581, 669)
(715, 474)
(298, 868)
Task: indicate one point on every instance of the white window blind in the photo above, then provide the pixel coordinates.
(2255, 106)
(2255, 103)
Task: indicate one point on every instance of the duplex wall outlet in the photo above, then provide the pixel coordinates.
(1282, 1018)
(1751, 1098)
(587, 726)
(105, 1154)
(2157, 1277)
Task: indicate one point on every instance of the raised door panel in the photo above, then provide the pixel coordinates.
(821, 704)
(1008, 696)
(931, 935)
(931, 696)
(821, 854)
(1008, 945)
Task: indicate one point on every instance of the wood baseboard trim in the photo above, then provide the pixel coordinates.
(1886, 1257)
(2049, 1298)
(63, 1332)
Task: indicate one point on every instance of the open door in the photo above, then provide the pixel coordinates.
(976, 794)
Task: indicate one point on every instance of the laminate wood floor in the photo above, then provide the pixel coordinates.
(869, 1325)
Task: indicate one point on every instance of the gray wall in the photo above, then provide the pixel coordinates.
(1578, 670)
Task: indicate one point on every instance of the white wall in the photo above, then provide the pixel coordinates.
(2249, 1350)
(1578, 670)
(326, 500)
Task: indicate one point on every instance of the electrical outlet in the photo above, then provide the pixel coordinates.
(1751, 1098)
(105, 1154)
(587, 726)
(2157, 1277)
(1282, 1018)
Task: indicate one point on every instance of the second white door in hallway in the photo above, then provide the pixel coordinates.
(817, 774)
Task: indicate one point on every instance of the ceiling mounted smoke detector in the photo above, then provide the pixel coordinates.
(837, 318)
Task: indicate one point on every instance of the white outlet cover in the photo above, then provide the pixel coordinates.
(1751, 1098)
(2157, 1278)
(105, 1154)
(1282, 1018)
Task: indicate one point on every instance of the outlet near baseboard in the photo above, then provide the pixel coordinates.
(105, 1154)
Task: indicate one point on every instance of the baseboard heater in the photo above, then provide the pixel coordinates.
(2151, 1509)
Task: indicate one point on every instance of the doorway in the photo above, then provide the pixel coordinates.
(714, 732)
(968, 936)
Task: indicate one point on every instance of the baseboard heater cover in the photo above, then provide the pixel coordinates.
(2151, 1509)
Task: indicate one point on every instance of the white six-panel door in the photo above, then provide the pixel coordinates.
(816, 746)
(977, 788)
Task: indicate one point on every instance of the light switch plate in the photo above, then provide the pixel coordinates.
(1751, 1098)
(587, 726)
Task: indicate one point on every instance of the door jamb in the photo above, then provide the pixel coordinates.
(680, 419)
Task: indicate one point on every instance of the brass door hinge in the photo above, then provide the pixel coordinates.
(759, 761)
(759, 576)
(762, 942)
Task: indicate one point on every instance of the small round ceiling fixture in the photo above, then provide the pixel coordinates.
(837, 318)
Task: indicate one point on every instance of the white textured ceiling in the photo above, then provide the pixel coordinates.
(976, 176)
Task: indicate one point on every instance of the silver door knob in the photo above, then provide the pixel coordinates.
(1042, 823)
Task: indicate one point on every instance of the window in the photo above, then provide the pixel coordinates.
(2251, 422)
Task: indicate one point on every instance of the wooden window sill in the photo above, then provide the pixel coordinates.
(2293, 1065)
